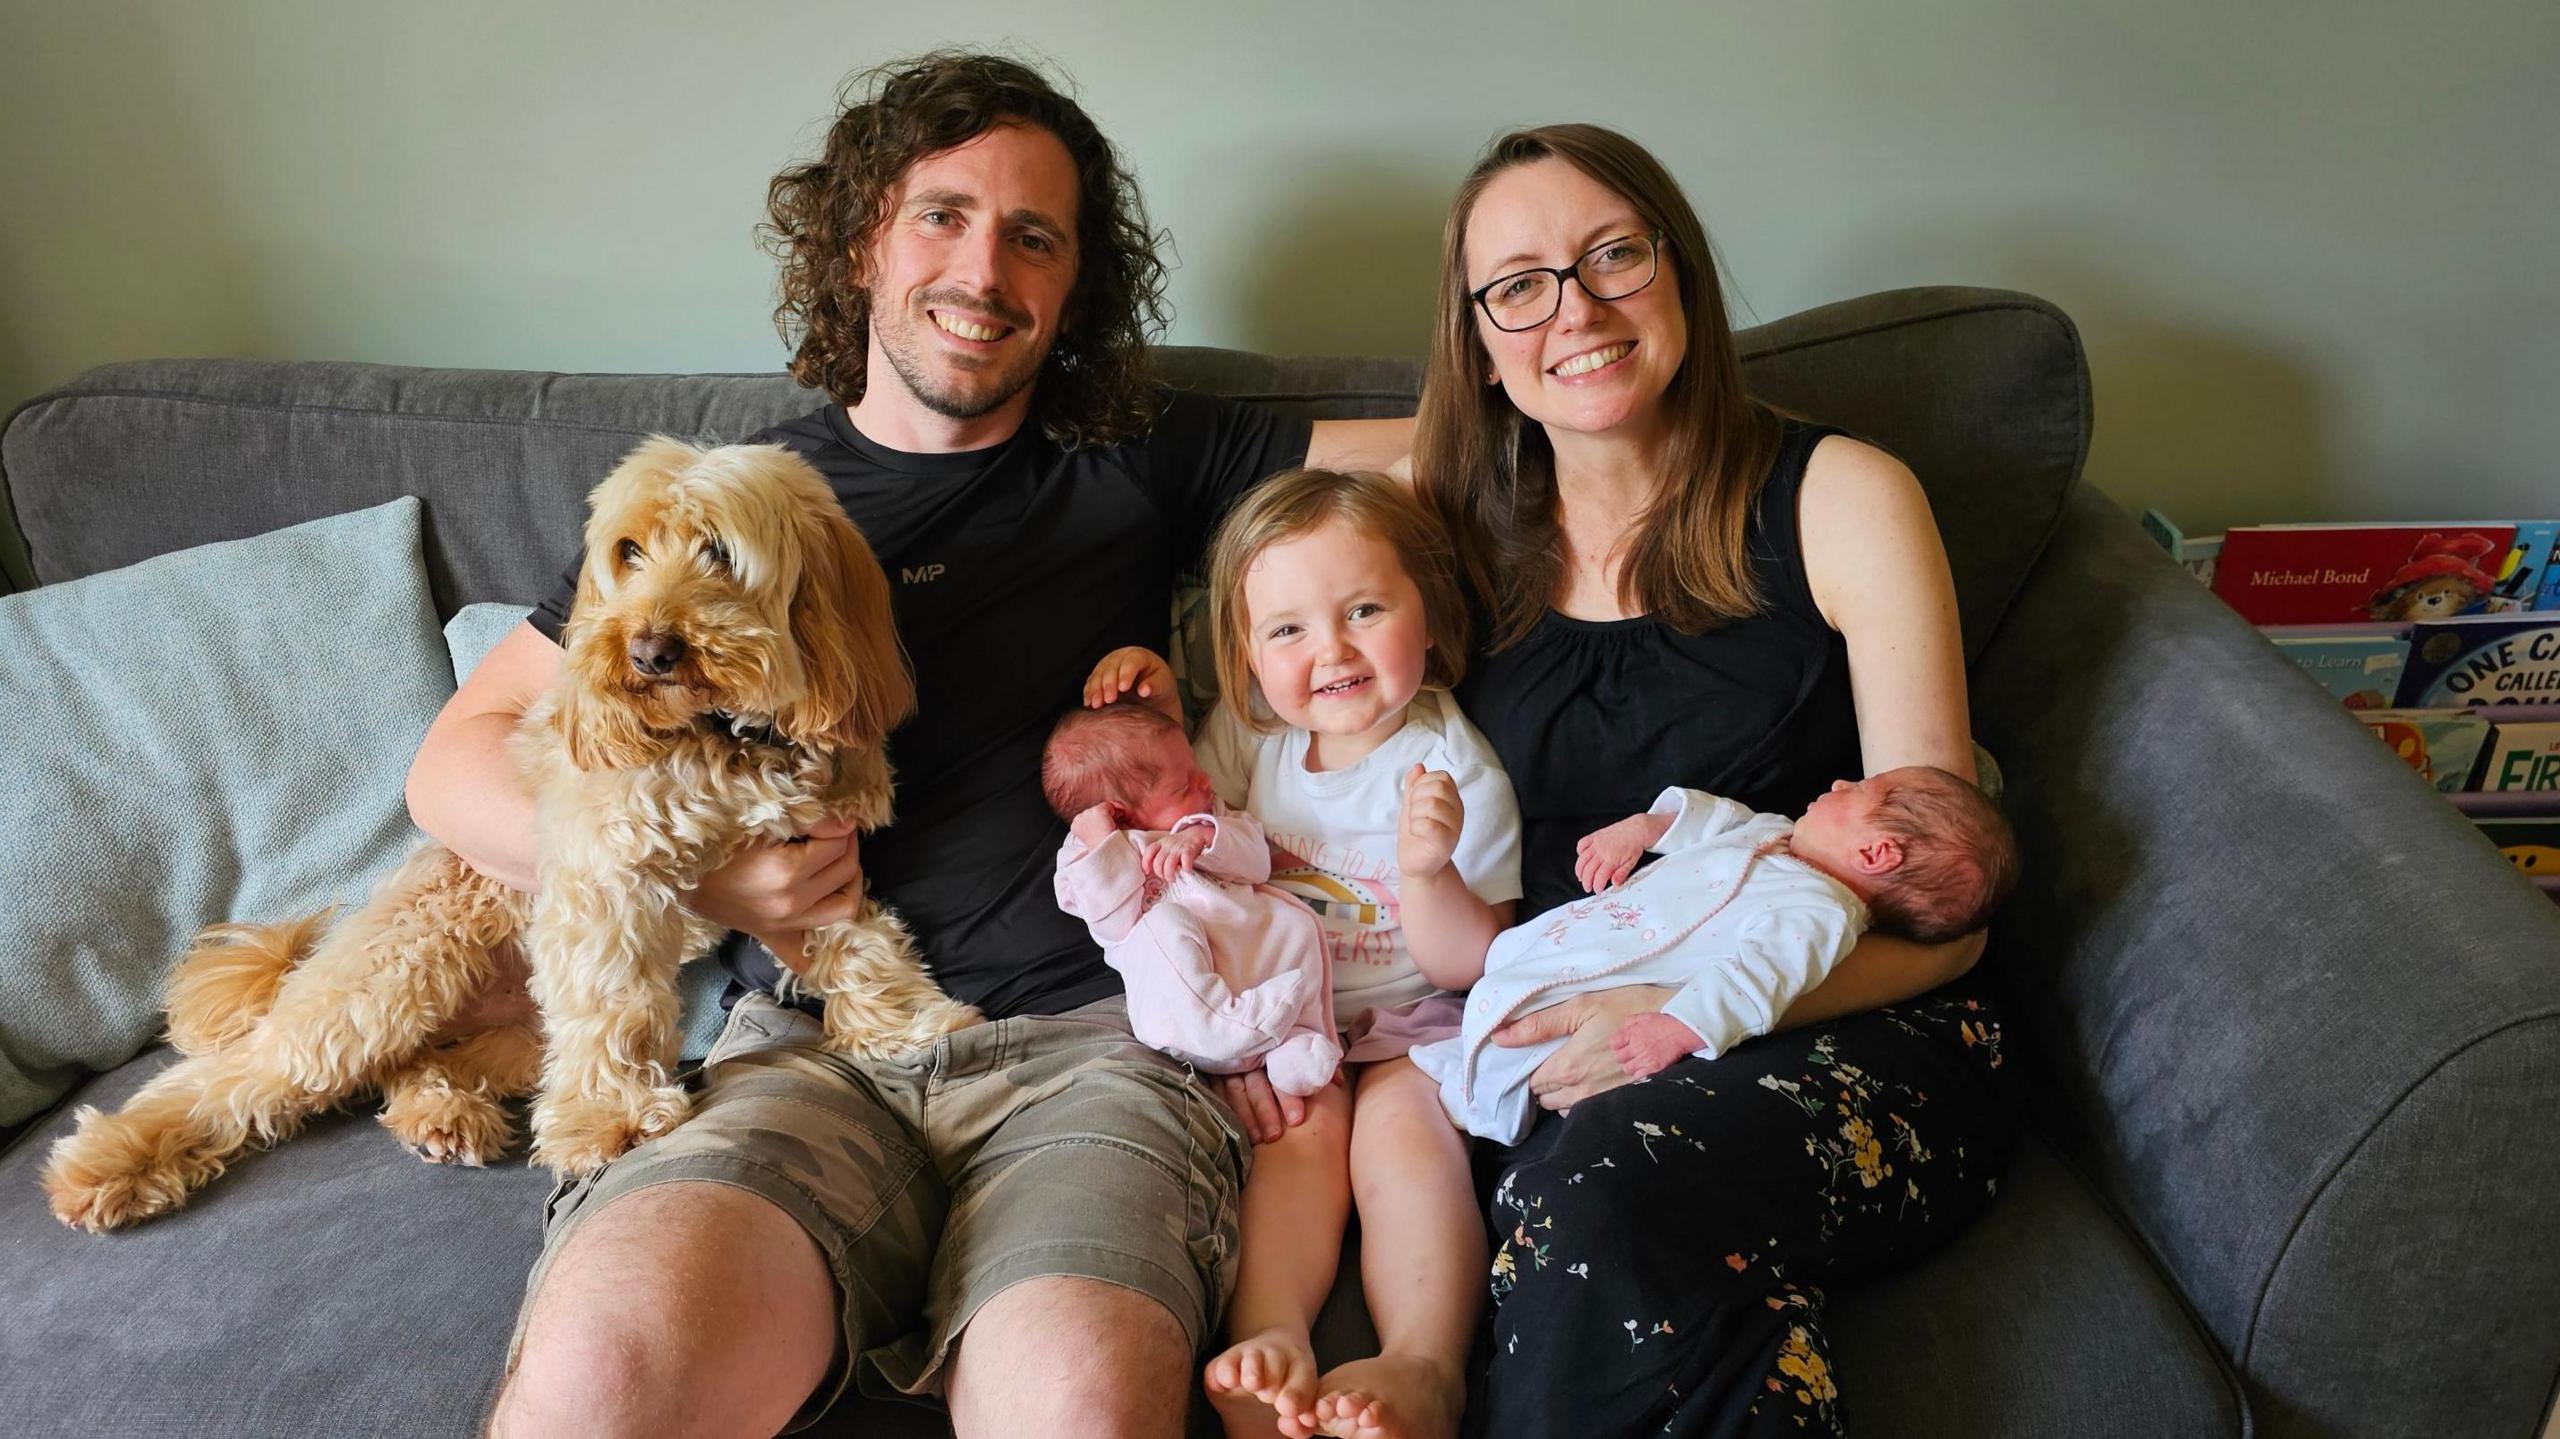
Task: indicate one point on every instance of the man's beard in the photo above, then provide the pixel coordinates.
(991, 390)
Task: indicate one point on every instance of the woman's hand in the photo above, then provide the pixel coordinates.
(1265, 1112)
(1133, 668)
(1587, 1022)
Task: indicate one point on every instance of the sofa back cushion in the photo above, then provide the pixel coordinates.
(1983, 392)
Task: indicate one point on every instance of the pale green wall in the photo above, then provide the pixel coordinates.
(2311, 253)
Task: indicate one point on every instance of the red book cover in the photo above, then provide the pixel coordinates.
(2337, 574)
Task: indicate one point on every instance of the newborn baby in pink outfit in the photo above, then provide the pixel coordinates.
(1223, 971)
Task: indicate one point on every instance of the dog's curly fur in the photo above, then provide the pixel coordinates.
(731, 671)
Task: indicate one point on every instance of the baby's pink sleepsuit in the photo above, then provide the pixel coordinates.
(1223, 971)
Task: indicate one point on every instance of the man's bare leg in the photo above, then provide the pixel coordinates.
(688, 1309)
(1071, 1356)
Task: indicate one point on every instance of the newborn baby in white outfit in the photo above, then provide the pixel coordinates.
(1743, 912)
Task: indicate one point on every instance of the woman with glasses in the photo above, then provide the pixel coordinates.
(1677, 586)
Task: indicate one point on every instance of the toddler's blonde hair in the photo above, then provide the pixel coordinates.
(1295, 502)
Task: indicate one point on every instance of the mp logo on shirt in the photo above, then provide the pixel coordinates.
(919, 574)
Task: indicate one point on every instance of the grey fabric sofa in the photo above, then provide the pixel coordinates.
(2284, 1031)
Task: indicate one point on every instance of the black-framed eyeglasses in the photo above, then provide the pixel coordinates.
(1610, 270)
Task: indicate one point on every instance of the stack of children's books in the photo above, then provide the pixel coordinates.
(2444, 639)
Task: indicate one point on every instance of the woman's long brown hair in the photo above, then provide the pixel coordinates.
(1489, 473)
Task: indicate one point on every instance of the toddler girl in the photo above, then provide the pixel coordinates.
(1335, 603)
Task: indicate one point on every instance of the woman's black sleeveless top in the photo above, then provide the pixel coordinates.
(1595, 718)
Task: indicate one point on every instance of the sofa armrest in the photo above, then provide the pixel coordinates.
(2284, 1005)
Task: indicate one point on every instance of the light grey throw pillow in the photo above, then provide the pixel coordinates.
(470, 635)
(215, 734)
(475, 630)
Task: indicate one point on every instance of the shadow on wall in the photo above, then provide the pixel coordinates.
(2212, 426)
(2208, 428)
(1345, 259)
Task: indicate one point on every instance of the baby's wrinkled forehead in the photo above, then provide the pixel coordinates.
(1130, 756)
(1120, 746)
(1166, 751)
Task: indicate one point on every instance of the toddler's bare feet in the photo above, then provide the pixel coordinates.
(1394, 1396)
(1648, 1044)
(1265, 1384)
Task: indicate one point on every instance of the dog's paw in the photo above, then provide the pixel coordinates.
(109, 1175)
(662, 1108)
(445, 1125)
(582, 1134)
(865, 1030)
(942, 1018)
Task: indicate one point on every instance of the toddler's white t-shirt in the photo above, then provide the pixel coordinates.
(1340, 825)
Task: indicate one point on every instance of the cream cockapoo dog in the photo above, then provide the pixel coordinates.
(730, 673)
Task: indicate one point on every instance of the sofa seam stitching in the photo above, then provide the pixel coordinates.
(9, 492)
(358, 412)
(1877, 327)
(2347, 1156)
(517, 421)
(1257, 397)
(2225, 1364)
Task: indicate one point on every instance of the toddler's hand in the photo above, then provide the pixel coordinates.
(1132, 668)
(1095, 824)
(1648, 1044)
(1427, 834)
(1605, 857)
(1177, 852)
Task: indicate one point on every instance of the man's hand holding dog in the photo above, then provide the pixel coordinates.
(779, 891)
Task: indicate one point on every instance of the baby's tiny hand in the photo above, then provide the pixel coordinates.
(1095, 824)
(1176, 853)
(1605, 857)
(1648, 1044)
(1130, 668)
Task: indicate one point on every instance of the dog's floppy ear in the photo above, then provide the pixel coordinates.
(598, 725)
(859, 686)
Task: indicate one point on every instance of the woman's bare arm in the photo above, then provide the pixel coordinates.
(1879, 574)
(1383, 445)
(1883, 969)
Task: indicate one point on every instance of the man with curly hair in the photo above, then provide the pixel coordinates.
(1035, 1219)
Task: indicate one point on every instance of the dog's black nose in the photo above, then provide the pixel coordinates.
(656, 652)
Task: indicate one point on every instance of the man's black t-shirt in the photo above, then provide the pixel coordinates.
(1012, 571)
